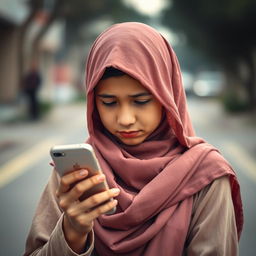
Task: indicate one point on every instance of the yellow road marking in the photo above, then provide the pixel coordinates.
(20, 164)
(242, 158)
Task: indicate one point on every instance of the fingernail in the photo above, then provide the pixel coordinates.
(115, 202)
(101, 177)
(83, 172)
(115, 191)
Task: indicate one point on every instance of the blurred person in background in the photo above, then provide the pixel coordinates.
(31, 85)
(174, 193)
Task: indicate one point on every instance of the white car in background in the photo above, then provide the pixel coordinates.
(208, 84)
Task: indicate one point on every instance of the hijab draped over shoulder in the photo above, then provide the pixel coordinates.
(158, 177)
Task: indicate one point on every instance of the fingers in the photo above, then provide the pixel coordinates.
(68, 179)
(92, 215)
(94, 201)
(80, 189)
(81, 214)
(103, 209)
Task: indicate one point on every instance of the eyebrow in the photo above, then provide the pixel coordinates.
(132, 96)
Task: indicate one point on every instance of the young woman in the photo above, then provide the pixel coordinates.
(175, 194)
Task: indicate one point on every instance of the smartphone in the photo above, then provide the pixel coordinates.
(71, 157)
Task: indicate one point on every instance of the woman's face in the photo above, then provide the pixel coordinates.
(127, 110)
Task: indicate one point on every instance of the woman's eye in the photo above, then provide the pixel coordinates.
(111, 103)
(142, 102)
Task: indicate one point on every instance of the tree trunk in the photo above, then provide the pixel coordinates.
(21, 40)
(53, 14)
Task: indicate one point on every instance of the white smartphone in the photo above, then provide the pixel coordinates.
(68, 158)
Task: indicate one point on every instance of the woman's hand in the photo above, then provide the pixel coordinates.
(79, 215)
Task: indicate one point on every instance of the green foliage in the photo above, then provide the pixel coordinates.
(80, 97)
(224, 32)
(79, 13)
(222, 28)
(233, 103)
(45, 107)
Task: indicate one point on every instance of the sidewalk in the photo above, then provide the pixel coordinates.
(209, 117)
(18, 135)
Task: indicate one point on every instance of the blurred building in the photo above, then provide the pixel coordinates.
(12, 15)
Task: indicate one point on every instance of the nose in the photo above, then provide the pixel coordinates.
(126, 116)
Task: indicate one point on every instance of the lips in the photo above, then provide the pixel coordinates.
(131, 134)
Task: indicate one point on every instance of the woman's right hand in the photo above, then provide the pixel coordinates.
(79, 215)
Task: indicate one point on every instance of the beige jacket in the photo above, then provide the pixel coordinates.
(212, 228)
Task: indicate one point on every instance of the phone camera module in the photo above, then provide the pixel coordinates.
(58, 154)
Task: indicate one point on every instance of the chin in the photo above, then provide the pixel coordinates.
(131, 142)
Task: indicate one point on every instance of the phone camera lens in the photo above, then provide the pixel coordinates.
(58, 154)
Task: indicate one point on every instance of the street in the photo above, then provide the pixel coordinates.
(24, 163)
(236, 140)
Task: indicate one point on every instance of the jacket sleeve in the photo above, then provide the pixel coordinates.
(46, 237)
(213, 229)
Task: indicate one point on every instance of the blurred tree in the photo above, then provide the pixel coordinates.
(76, 14)
(22, 34)
(79, 14)
(224, 30)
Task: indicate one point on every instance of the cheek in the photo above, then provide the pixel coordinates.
(154, 116)
(105, 116)
(106, 120)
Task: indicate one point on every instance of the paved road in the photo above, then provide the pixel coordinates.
(24, 169)
(235, 137)
(24, 164)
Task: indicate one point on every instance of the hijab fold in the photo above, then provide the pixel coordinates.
(159, 177)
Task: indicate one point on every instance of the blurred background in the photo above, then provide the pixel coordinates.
(43, 49)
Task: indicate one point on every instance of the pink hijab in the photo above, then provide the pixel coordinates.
(159, 177)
